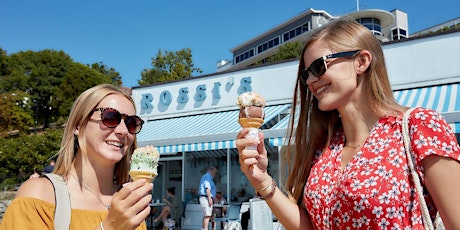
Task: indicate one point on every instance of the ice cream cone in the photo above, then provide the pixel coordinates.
(136, 175)
(251, 122)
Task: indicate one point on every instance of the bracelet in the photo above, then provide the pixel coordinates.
(264, 188)
(102, 227)
(272, 192)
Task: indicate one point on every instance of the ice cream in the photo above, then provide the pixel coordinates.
(144, 163)
(251, 113)
(251, 110)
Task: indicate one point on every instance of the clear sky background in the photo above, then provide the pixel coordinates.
(126, 34)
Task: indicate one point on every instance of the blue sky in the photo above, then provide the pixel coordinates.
(126, 34)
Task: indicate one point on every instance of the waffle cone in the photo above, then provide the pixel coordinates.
(136, 175)
(251, 122)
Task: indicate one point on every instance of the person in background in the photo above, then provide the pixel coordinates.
(96, 148)
(243, 195)
(192, 195)
(49, 168)
(348, 168)
(173, 208)
(218, 212)
(207, 191)
(35, 174)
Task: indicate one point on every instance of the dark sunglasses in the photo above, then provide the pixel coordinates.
(111, 118)
(319, 66)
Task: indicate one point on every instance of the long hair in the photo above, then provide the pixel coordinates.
(79, 116)
(309, 137)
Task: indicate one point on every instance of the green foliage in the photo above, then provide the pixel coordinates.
(37, 74)
(20, 155)
(77, 79)
(169, 66)
(109, 72)
(15, 112)
(286, 51)
(50, 81)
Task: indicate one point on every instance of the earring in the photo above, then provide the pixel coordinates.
(75, 144)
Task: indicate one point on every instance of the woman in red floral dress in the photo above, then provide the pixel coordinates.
(348, 169)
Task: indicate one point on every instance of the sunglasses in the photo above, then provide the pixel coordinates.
(319, 66)
(111, 118)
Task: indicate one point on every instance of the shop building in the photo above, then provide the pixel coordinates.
(385, 25)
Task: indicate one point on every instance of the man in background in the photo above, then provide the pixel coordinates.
(207, 191)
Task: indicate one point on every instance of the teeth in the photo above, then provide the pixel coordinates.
(115, 143)
(322, 89)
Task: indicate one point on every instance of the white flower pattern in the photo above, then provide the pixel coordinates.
(375, 190)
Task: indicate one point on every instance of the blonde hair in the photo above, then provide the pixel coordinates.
(79, 116)
(339, 35)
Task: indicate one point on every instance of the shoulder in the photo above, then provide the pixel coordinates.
(40, 188)
(420, 113)
(427, 119)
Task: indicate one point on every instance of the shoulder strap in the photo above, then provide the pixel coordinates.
(427, 222)
(61, 221)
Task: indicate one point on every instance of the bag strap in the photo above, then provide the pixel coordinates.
(62, 202)
(427, 222)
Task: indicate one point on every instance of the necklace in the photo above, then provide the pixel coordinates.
(89, 190)
(353, 147)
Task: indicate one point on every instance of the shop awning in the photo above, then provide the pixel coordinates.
(199, 132)
(443, 98)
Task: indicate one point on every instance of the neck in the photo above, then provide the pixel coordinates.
(92, 175)
(357, 124)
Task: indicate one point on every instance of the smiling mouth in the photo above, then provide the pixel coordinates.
(115, 143)
(321, 89)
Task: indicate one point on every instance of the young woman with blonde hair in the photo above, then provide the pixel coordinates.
(96, 148)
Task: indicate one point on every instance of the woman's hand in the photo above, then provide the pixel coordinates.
(130, 206)
(253, 163)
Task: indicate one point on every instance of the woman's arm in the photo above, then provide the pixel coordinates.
(167, 202)
(442, 179)
(253, 164)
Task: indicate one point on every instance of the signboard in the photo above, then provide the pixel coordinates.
(215, 93)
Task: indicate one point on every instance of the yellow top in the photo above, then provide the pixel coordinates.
(32, 213)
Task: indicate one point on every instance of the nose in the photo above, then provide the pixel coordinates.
(122, 128)
(311, 79)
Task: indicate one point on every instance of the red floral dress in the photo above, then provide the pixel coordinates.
(375, 189)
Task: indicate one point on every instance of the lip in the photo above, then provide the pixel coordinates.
(318, 90)
(115, 143)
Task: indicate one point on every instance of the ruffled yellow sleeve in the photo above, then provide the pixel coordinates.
(31, 213)
(28, 213)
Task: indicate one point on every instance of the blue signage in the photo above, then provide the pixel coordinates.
(182, 97)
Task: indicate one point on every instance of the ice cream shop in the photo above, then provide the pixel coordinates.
(194, 122)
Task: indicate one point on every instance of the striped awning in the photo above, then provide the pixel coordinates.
(443, 98)
(199, 132)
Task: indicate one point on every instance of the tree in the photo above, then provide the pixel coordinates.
(169, 66)
(20, 155)
(77, 79)
(38, 74)
(3, 59)
(110, 72)
(287, 51)
(51, 80)
(15, 112)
